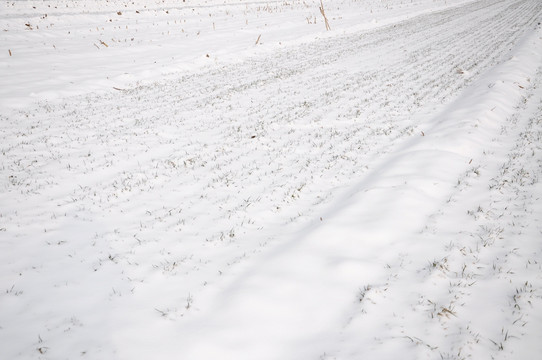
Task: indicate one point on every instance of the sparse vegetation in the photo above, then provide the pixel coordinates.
(234, 180)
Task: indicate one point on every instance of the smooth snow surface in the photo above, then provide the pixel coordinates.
(227, 180)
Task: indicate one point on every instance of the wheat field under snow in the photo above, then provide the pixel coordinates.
(225, 179)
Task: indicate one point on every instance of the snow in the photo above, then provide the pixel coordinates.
(87, 46)
(366, 192)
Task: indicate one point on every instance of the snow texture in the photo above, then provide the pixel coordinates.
(225, 179)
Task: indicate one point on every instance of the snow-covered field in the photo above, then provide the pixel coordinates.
(225, 179)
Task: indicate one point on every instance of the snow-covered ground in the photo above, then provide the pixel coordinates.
(225, 179)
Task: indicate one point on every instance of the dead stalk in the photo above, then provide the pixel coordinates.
(323, 12)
